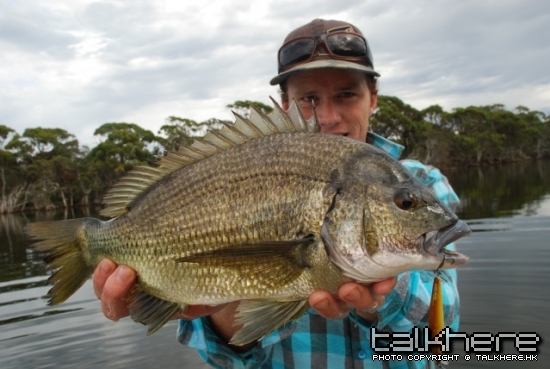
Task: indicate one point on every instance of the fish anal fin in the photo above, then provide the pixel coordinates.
(261, 317)
(151, 311)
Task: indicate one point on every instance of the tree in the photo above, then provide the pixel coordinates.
(438, 139)
(124, 145)
(537, 129)
(244, 107)
(43, 143)
(181, 131)
(10, 181)
(402, 123)
(46, 160)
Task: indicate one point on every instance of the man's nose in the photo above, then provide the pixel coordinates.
(327, 114)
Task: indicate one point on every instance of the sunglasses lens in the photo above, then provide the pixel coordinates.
(345, 44)
(296, 52)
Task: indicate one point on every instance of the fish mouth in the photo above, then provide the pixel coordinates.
(435, 241)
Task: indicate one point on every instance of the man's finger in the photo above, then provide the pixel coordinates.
(116, 289)
(356, 295)
(327, 306)
(105, 268)
(384, 287)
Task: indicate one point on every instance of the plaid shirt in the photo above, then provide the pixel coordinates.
(315, 342)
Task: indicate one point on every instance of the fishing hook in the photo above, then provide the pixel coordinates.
(440, 266)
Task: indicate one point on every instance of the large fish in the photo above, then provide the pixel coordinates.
(266, 210)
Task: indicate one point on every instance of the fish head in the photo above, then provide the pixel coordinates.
(409, 221)
(400, 224)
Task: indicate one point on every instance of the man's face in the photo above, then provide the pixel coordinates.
(342, 100)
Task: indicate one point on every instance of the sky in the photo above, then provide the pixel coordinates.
(79, 64)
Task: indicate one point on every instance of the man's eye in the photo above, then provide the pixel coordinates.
(347, 94)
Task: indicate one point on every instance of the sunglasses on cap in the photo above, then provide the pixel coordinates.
(340, 45)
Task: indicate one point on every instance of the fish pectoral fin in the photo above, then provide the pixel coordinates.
(262, 317)
(295, 251)
(150, 310)
(272, 263)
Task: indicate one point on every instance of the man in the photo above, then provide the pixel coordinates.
(325, 66)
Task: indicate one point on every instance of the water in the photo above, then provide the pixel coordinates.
(74, 334)
(503, 288)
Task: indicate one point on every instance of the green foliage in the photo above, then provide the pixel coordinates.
(124, 146)
(180, 131)
(5, 131)
(243, 107)
(474, 135)
(400, 122)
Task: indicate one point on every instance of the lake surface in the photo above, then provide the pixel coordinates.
(504, 288)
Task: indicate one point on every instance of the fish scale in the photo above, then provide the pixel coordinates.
(265, 211)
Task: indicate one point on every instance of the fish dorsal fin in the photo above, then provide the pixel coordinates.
(139, 181)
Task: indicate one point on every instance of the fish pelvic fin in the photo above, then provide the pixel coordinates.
(149, 310)
(66, 254)
(139, 181)
(261, 317)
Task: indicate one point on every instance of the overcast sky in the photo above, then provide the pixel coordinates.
(76, 64)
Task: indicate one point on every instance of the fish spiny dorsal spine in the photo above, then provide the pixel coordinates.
(138, 181)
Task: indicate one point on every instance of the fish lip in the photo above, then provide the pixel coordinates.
(435, 242)
(452, 259)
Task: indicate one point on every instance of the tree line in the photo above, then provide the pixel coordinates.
(46, 168)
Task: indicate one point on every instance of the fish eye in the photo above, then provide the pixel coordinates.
(405, 200)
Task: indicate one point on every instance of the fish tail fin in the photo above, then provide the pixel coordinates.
(66, 254)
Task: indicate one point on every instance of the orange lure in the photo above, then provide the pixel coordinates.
(436, 316)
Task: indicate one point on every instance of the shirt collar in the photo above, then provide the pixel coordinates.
(392, 148)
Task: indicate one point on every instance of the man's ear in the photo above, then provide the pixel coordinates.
(373, 102)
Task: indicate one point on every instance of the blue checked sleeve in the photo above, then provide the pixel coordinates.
(200, 335)
(433, 178)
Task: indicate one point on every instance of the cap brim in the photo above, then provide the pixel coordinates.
(324, 64)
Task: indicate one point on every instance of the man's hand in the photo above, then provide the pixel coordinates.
(112, 284)
(364, 299)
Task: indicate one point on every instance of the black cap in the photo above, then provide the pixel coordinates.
(318, 27)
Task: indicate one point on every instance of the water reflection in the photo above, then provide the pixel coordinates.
(17, 260)
(504, 191)
(503, 288)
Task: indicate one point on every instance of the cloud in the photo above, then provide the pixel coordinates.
(76, 65)
(449, 49)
